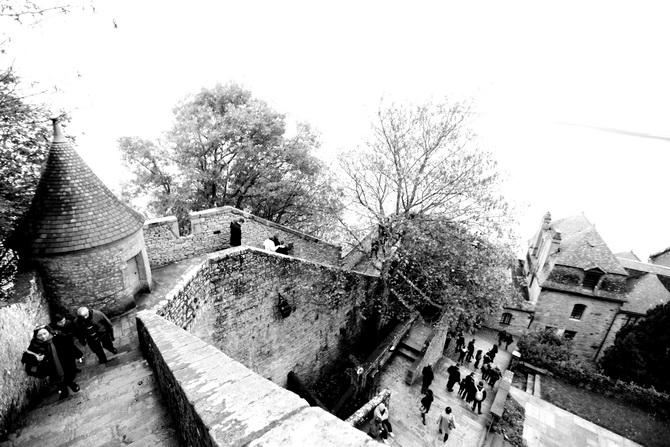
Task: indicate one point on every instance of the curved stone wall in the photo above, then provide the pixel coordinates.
(99, 278)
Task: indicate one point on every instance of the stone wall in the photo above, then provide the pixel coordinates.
(517, 326)
(434, 351)
(216, 401)
(554, 308)
(26, 309)
(365, 413)
(210, 232)
(96, 277)
(231, 302)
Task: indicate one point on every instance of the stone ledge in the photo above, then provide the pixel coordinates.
(210, 391)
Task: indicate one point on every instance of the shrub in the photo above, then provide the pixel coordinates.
(545, 348)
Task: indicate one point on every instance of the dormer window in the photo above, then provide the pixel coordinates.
(591, 278)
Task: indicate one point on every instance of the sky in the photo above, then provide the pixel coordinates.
(573, 98)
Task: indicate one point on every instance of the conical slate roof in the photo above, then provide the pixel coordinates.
(72, 209)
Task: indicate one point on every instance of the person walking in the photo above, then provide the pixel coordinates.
(480, 395)
(97, 330)
(478, 358)
(454, 377)
(494, 375)
(446, 423)
(502, 335)
(382, 413)
(471, 351)
(486, 370)
(426, 402)
(427, 377)
(65, 330)
(469, 379)
(236, 232)
(44, 358)
(460, 341)
(461, 355)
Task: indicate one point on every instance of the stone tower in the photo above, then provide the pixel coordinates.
(87, 246)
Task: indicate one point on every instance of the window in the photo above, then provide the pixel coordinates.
(630, 320)
(569, 335)
(506, 318)
(577, 312)
(550, 328)
(591, 278)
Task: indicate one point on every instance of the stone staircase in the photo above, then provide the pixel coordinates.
(119, 404)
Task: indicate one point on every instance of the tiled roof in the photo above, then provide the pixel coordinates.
(582, 247)
(72, 209)
(659, 253)
(644, 293)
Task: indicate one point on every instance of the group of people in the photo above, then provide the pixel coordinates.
(469, 390)
(272, 243)
(53, 353)
(446, 421)
(380, 426)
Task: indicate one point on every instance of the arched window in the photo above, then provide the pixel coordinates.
(577, 311)
(506, 318)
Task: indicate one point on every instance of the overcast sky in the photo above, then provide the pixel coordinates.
(574, 98)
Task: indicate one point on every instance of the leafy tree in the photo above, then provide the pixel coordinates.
(228, 148)
(25, 132)
(545, 348)
(641, 351)
(441, 235)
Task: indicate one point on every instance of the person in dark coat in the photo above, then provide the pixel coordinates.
(454, 377)
(471, 351)
(97, 331)
(478, 358)
(65, 330)
(236, 232)
(461, 355)
(494, 375)
(480, 396)
(53, 361)
(470, 378)
(492, 353)
(426, 402)
(460, 342)
(486, 370)
(471, 390)
(427, 378)
(502, 335)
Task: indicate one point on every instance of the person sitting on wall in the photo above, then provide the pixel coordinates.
(269, 244)
(236, 232)
(97, 331)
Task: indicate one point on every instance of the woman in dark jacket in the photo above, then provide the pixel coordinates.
(426, 402)
(52, 361)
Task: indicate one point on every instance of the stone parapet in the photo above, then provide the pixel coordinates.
(26, 309)
(210, 232)
(218, 402)
(364, 414)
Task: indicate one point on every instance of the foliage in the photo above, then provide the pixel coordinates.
(545, 348)
(24, 138)
(431, 193)
(641, 352)
(585, 375)
(510, 425)
(228, 148)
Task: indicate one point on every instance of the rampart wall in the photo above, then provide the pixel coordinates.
(231, 301)
(216, 401)
(210, 232)
(26, 309)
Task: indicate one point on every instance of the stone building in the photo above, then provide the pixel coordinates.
(87, 246)
(575, 285)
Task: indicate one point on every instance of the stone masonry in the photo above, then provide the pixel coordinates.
(210, 232)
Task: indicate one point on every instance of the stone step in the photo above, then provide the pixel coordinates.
(530, 383)
(405, 352)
